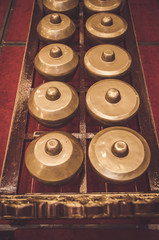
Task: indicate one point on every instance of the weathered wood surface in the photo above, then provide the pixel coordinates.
(110, 205)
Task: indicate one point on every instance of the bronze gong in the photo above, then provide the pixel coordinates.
(106, 27)
(107, 61)
(119, 154)
(56, 27)
(112, 101)
(53, 103)
(68, 7)
(56, 62)
(96, 6)
(54, 158)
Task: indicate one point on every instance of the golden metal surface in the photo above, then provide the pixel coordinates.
(107, 61)
(62, 6)
(56, 62)
(105, 27)
(56, 27)
(54, 158)
(53, 103)
(112, 101)
(95, 6)
(119, 154)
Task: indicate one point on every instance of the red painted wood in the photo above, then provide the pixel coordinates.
(146, 19)
(9, 77)
(20, 20)
(3, 7)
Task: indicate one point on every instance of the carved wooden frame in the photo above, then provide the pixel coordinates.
(81, 205)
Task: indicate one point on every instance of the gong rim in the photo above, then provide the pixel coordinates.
(57, 169)
(115, 172)
(107, 112)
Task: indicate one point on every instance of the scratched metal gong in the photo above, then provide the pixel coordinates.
(68, 7)
(54, 158)
(53, 103)
(119, 154)
(106, 27)
(107, 61)
(112, 101)
(56, 62)
(56, 27)
(96, 6)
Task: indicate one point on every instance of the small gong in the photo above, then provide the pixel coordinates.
(119, 154)
(107, 61)
(56, 62)
(68, 7)
(96, 6)
(105, 27)
(53, 103)
(54, 158)
(112, 101)
(56, 27)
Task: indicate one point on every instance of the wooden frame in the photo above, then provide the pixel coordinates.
(82, 204)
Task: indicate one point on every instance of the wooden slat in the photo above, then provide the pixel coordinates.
(83, 187)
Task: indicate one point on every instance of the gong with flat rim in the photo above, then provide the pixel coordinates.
(105, 27)
(107, 61)
(56, 62)
(68, 7)
(95, 6)
(56, 27)
(53, 103)
(112, 101)
(119, 154)
(54, 158)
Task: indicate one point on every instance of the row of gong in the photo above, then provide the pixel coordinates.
(118, 154)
